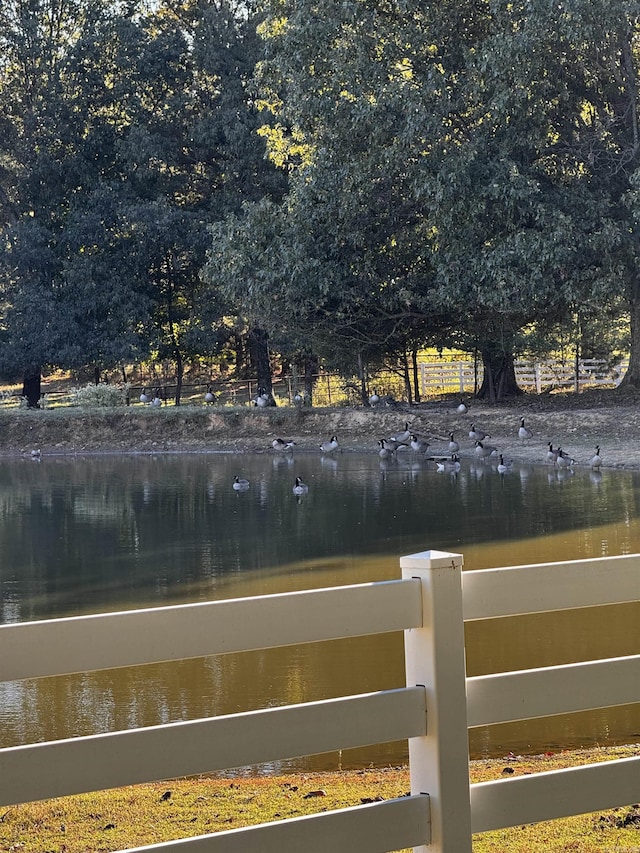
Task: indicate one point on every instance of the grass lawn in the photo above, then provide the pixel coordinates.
(147, 814)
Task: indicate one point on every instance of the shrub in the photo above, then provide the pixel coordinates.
(100, 396)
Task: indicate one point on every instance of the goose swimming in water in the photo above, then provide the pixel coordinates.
(300, 488)
(240, 484)
(386, 449)
(504, 467)
(452, 465)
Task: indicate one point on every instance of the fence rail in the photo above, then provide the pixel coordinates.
(430, 603)
(465, 377)
(436, 378)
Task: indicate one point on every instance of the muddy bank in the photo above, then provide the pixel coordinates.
(576, 422)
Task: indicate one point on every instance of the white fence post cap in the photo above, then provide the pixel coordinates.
(431, 559)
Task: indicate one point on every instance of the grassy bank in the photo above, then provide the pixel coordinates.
(147, 814)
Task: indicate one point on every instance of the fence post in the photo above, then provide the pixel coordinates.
(434, 657)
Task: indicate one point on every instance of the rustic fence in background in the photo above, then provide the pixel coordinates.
(436, 379)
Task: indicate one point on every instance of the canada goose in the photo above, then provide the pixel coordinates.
(478, 434)
(503, 467)
(462, 409)
(386, 449)
(394, 444)
(454, 447)
(209, 395)
(374, 399)
(403, 436)
(484, 451)
(262, 399)
(418, 445)
(330, 446)
(298, 400)
(524, 433)
(282, 444)
(563, 460)
(300, 488)
(552, 454)
(452, 465)
(240, 484)
(596, 459)
(144, 397)
(156, 400)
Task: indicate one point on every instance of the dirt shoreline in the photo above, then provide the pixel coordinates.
(610, 419)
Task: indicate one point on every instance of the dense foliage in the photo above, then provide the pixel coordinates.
(348, 182)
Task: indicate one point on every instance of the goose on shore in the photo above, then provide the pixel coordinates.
(209, 396)
(484, 451)
(596, 459)
(330, 446)
(282, 444)
(374, 399)
(144, 397)
(300, 488)
(403, 436)
(157, 401)
(476, 434)
(552, 455)
(454, 446)
(524, 433)
(417, 444)
(564, 460)
(462, 409)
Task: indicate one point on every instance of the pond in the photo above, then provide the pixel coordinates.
(84, 535)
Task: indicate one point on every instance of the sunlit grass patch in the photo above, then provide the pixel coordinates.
(147, 814)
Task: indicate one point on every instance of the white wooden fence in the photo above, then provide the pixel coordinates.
(434, 711)
(462, 377)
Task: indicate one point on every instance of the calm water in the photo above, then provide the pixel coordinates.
(105, 533)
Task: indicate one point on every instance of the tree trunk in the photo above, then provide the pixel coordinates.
(416, 375)
(362, 376)
(32, 387)
(406, 377)
(311, 367)
(242, 368)
(499, 380)
(632, 376)
(259, 353)
(179, 375)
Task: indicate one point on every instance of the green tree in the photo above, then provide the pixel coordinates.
(57, 122)
(441, 170)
